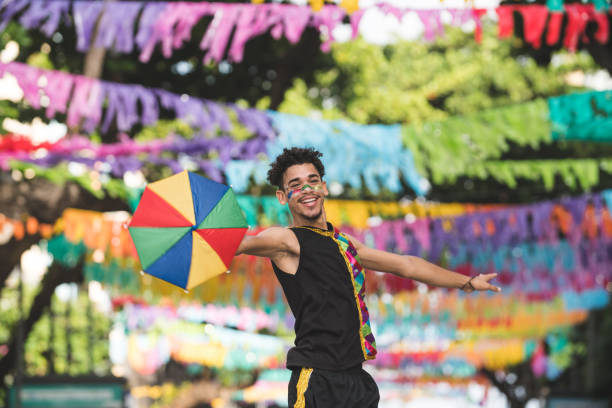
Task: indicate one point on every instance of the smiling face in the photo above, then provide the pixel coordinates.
(304, 191)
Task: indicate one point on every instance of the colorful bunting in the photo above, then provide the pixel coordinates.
(582, 116)
(91, 103)
(540, 19)
(350, 150)
(170, 24)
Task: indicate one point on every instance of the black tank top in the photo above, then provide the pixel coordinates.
(326, 296)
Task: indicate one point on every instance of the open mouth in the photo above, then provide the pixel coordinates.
(309, 200)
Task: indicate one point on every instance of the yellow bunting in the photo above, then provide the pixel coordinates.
(350, 6)
(316, 5)
(210, 355)
(355, 213)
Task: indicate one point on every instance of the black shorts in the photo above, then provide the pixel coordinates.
(315, 388)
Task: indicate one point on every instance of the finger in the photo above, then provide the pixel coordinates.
(494, 288)
(488, 276)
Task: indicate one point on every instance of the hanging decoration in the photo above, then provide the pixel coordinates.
(443, 334)
(582, 116)
(128, 155)
(270, 388)
(451, 334)
(123, 103)
(463, 138)
(449, 148)
(266, 211)
(194, 343)
(349, 150)
(473, 144)
(170, 24)
(91, 103)
(576, 174)
(543, 250)
(18, 229)
(143, 26)
(540, 21)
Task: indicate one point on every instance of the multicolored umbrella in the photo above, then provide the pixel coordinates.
(186, 229)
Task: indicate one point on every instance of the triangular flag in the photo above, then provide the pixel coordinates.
(177, 192)
(224, 241)
(151, 243)
(174, 265)
(226, 214)
(154, 211)
(205, 262)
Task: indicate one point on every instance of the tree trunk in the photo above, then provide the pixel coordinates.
(10, 253)
(94, 59)
(55, 276)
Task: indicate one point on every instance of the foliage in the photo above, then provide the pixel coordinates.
(413, 82)
(448, 148)
(60, 175)
(162, 128)
(85, 357)
(96, 325)
(9, 309)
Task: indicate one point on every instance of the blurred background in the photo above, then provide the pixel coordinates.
(475, 134)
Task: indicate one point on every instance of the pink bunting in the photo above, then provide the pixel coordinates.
(170, 24)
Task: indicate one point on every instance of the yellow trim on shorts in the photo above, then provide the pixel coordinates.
(302, 386)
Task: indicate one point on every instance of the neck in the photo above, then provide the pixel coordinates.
(320, 222)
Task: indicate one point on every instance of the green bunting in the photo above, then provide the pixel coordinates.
(450, 148)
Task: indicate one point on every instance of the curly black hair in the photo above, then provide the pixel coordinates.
(289, 157)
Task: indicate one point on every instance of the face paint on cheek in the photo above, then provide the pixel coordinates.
(291, 193)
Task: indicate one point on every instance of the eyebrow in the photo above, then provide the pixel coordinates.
(297, 179)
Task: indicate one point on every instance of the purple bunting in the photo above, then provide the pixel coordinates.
(90, 103)
(86, 14)
(116, 27)
(11, 8)
(128, 154)
(170, 24)
(51, 11)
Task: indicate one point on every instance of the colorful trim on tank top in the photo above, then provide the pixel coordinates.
(357, 272)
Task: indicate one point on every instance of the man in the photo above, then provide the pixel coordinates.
(321, 271)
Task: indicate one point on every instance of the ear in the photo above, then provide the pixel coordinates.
(281, 197)
(325, 192)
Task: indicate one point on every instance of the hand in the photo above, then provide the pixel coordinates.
(480, 282)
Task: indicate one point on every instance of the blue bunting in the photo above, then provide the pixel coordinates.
(350, 152)
(586, 300)
(607, 196)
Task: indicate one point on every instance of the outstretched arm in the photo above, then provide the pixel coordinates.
(416, 268)
(270, 243)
